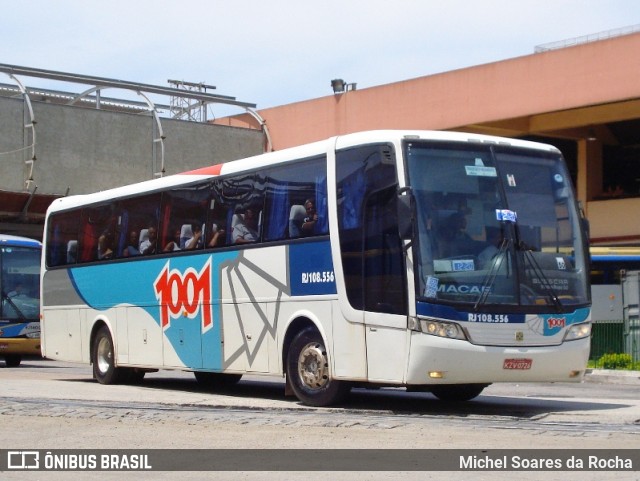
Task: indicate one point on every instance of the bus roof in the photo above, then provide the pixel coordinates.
(293, 153)
(16, 241)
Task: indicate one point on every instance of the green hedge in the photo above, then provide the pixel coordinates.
(617, 361)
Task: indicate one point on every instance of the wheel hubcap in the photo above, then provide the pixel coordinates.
(104, 355)
(313, 366)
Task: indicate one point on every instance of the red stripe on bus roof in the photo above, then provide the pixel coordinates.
(212, 170)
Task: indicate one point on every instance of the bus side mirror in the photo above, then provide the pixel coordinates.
(586, 228)
(405, 214)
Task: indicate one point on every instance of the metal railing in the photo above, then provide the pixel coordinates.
(593, 37)
(611, 338)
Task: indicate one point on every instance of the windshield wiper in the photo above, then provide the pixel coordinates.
(490, 278)
(539, 273)
(13, 305)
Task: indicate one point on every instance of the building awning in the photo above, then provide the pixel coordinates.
(24, 207)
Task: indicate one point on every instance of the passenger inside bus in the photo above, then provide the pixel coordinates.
(303, 220)
(192, 235)
(18, 290)
(148, 238)
(132, 246)
(105, 246)
(311, 219)
(452, 236)
(218, 237)
(296, 218)
(245, 227)
(494, 239)
(174, 243)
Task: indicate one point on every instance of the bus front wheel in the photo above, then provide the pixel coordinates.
(308, 371)
(13, 360)
(104, 368)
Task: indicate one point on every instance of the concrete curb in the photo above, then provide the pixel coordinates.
(611, 376)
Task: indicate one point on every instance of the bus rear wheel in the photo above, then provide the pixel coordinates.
(458, 392)
(308, 371)
(104, 368)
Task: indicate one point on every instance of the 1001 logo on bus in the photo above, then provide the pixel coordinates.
(184, 294)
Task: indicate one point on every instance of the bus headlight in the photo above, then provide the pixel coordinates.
(449, 330)
(578, 331)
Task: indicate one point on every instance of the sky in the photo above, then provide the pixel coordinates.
(276, 52)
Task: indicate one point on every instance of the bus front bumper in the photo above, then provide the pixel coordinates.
(20, 345)
(435, 360)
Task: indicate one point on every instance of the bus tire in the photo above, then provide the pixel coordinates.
(457, 392)
(104, 368)
(13, 360)
(308, 371)
(217, 379)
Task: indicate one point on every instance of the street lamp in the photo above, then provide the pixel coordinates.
(339, 86)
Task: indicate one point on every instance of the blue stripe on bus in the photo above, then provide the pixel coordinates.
(615, 258)
(440, 311)
(198, 345)
(551, 324)
(111, 285)
(18, 328)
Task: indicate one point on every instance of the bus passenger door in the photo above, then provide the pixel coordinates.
(384, 289)
(371, 251)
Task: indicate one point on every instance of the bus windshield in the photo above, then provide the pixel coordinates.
(497, 228)
(19, 283)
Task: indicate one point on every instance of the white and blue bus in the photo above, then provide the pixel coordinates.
(19, 298)
(615, 277)
(437, 261)
(609, 263)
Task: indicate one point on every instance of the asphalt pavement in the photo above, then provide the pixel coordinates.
(611, 376)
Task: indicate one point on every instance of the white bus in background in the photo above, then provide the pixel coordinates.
(19, 298)
(437, 261)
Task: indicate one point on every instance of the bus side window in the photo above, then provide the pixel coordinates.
(184, 210)
(135, 217)
(97, 231)
(62, 246)
(296, 200)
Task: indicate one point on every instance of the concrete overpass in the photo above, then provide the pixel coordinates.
(55, 143)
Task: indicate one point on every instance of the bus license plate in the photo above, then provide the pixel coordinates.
(517, 364)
